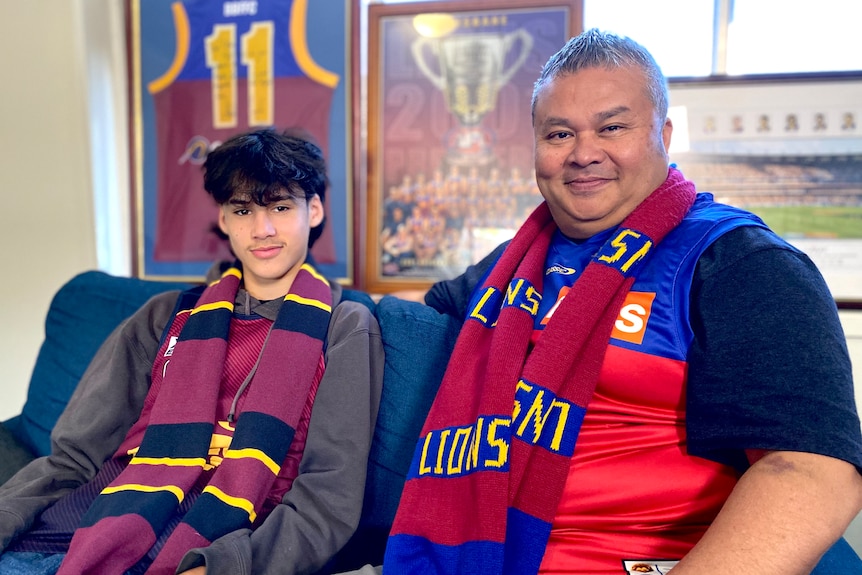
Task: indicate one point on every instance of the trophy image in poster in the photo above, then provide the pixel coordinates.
(469, 69)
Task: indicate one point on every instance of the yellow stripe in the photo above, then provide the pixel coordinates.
(169, 461)
(214, 305)
(177, 492)
(249, 453)
(237, 502)
(181, 20)
(299, 45)
(232, 272)
(306, 301)
(315, 274)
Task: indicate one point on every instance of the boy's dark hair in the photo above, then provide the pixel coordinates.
(266, 165)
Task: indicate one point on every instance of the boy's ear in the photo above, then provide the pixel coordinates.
(315, 211)
(221, 224)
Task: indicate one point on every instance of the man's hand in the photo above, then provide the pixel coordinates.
(195, 571)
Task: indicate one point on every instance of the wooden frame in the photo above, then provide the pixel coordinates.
(167, 44)
(449, 144)
(788, 148)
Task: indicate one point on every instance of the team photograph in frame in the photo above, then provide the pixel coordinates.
(450, 140)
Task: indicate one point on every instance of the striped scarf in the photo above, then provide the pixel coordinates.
(127, 518)
(486, 477)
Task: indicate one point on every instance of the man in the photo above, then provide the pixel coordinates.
(681, 385)
(225, 429)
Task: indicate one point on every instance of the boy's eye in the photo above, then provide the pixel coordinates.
(241, 212)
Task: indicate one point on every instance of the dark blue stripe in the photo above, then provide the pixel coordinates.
(526, 539)
(412, 554)
(155, 507)
(264, 432)
(177, 440)
(307, 319)
(207, 325)
(212, 518)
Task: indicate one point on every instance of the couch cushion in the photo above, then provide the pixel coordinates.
(82, 314)
(417, 341)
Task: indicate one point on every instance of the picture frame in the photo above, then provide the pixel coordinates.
(449, 136)
(787, 148)
(199, 72)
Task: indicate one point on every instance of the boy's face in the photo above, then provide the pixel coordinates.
(271, 241)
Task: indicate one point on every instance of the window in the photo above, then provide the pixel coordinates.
(696, 38)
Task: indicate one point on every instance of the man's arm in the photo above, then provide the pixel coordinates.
(782, 516)
(453, 296)
(103, 407)
(769, 373)
(321, 510)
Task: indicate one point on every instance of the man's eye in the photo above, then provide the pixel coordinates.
(612, 128)
(558, 135)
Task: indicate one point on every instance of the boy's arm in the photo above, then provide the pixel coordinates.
(321, 510)
(103, 407)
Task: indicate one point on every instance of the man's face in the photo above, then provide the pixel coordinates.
(599, 150)
(271, 241)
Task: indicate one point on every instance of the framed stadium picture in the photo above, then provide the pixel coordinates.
(789, 149)
(202, 71)
(449, 135)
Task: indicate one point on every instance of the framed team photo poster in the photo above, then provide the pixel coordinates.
(449, 135)
(789, 149)
(202, 71)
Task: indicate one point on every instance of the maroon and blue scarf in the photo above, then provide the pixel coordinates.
(494, 454)
(127, 518)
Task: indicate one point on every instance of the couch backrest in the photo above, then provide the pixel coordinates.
(82, 314)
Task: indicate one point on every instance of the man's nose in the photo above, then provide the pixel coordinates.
(585, 150)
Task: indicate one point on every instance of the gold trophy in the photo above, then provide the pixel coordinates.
(471, 73)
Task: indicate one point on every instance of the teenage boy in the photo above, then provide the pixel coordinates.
(221, 430)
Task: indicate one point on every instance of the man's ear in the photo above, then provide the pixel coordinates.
(315, 211)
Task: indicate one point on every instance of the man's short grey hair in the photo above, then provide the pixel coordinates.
(596, 49)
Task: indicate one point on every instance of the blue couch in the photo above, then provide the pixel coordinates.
(417, 342)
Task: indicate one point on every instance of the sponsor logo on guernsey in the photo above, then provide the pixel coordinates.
(559, 269)
(631, 324)
(172, 343)
(197, 150)
(649, 566)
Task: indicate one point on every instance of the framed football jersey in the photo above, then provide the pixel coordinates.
(202, 71)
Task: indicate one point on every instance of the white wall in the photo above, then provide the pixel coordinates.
(50, 83)
(46, 219)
